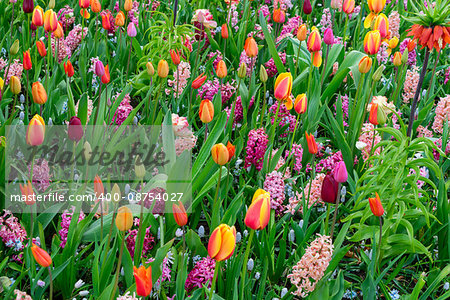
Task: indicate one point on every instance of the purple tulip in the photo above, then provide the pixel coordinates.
(330, 187)
(307, 8)
(328, 36)
(131, 30)
(99, 69)
(75, 129)
(28, 6)
(340, 172)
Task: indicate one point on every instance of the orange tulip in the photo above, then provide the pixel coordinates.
(365, 64)
(302, 32)
(301, 103)
(58, 33)
(312, 145)
(411, 45)
(231, 151)
(41, 256)
(373, 115)
(143, 277)
(206, 111)
(382, 25)
(372, 42)
(85, 13)
(41, 48)
(250, 47)
(106, 24)
(83, 3)
(224, 31)
(14, 85)
(397, 59)
(175, 56)
(27, 193)
(39, 93)
(221, 69)
(35, 131)
(348, 6)
(50, 21)
(222, 242)
(27, 60)
(375, 205)
(316, 58)
(376, 6)
(120, 19)
(68, 68)
(179, 213)
(199, 81)
(163, 68)
(258, 214)
(128, 5)
(314, 41)
(393, 42)
(124, 218)
(98, 186)
(279, 16)
(38, 16)
(106, 78)
(96, 6)
(283, 86)
(220, 154)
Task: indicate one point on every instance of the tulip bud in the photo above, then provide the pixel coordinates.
(382, 25)
(250, 47)
(377, 115)
(393, 42)
(28, 6)
(378, 73)
(302, 32)
(283, 86)
(365, 64)
(179, 213)
(314, 41)
(115, 193)
(68, 69)
(199, 81)
(99, 68)
(405, 56)
(300, 104)
(39, 93)
(75, 129)
(231, 151)
(36, 131)
(38, 17)
(96, 6)
(307, 8)
(220, 154)
(120, 19)
(397, 59)
(206, 111)
(41, 48)
(27, 60)
(372, 42)
(131, 30)
(222, 242)
(14, 48)
(279, 16)
(258, 213)
(58, 33)
(348, 6)
(375, 205)
(106, 77)
(163, 68)
(242, 71)
(51, 4)
(27, 193)
(87, 150)
(175, 56)
(143, 278)
(328, 36)
(128, 5)
(98, 187)
(263, 74)
(312, 146)
(221, 69)
(124, 218)
(340, 172)
(224, 31)
(329, 191)
(41, 256)
(150, 69)
(50, 21)
(14, 85)
(139, 168)
(1, 85)
(106, 24)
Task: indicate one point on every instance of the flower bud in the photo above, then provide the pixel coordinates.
(96, 6)
(83, 3)
(38, 17)
(139, 168)
(131, 30)
(58, 33)
(128, 5)
(38, 92)
(14, 85)
(14, 48)
(68, 69)
(307, 8)
(179, 213)
(222, 242)
(163, 68)
(87, 150)
(41, 48)
(340, 172)
(27, 60)
(328, 36)
(99, 68)
(150, 69)
(378, 73)
(231, 150)
(312, 145)
(28, 6)
(279, 16)
(329, 190)
(175, 56)
(224, 31)
(41, 256)
(302, 32)
(36, 131)
(397, 59)
(365, 64)
(199, 81)
(206, 111)
(120, 19)
(51, 4)
(375, 205)
(263, 74)
(250, 47)
(405, 56)
(75, 129)
(221, 69)
(300, 104)
(258, 213)
(124, 218)
(115, 193)
(220, 154)
(242, 71)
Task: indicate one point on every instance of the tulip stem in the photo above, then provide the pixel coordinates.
(298, 57)
(129, 58)
(215, 211)
(327, 218)
(324, 70)
(138, 250)
(361, 79)
(161, 229)
(264, 106)
(338, 198)
(118, 267)
(213, 283)
(379, 241)
(26, 98)
(156, 103)
(109, 234)
(310, 183)
(206, 131)
(51, 282)
(244, 266)
(345, 31)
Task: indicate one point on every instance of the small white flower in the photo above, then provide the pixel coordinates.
(245, 233)
(446, 286)
(257, 275)
(291, 236)
(201, 231)
(83, 293)
(360, 145)
(300, 223)
(41, 283)
(238, 237)
(79, 283)
(250, 264)
(179, 232)
(284, 291)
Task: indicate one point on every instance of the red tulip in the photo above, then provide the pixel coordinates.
(27, 60)
(41, 256)
(199, 81)
(75, 129)
(312, 146)
(68, 68)
(375, 205)
(41, 48)
(329, 192)
(143, 277)
(179, 213)
(175, 56)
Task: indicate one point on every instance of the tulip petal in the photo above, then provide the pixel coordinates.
(215, 241)
(228, 244)
(252, 218)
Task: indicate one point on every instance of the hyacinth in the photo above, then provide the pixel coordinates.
(211, 88)
(447, 76)
(15, 69)
(280, 163)
(200, 32)
(325, 21)
(410, 85)
(234, 15)
(438, 143)
(238, 110)
(180, 79)
(270, 65)
(328, 163)
(63, 52)
(311, 267)
(382, 55)
(274, 184)
(128, 296)
(22, 295)
(149, 241)
(66, 218)
(297, 150)
(185, 143)
(12, 232)
(394, 24)
(112, 21)
(314, 195)
(283, 4)
(156, 194)
(424, 132)
(123, 111)
(291, 26)
(74, 37)
(201, 274)
(382, 102)
(256, 148)
(90, 107)
(423, 171)
(217, 55)
(284, 118)
(66, 17)
(442, 112)
(165, 270)
(41, 174)
(344, 107)
(366, 137)
(412, 59)
(133, 14)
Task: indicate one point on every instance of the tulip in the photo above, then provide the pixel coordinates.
(376, 6)
(279, 16)
(87, 151)
(124, 218)
(316, 58)
(131, 30)
(199, 81)
(221, 69)
(263, 74)
(143, 277)
(258, 214)
(120, 19)
(348, 6)
(307, 8)
(373, 115)
(106, 24)
(51, 4)
(175, 56)
(39, 93)
(220, 154)
(314, 41)
(283, 86)
(14, 85)
(85, 14)
(231, 151)
(58, 33)
(41, 256)
(242, 71)
(28, 6)
(150, 69)
(163, 68)
(378, 73)
(393, 42)
(411, 45)
(38, 17)
(375, 205)
(96, 6)
(115, 193)
(250, 47)
(302, 32)
(372, 42)
(41, 48)
(75, 131)
(128, 5)
(68, 69)
(98, 186)
(14, 48)
(335, 4)
(365, 64)
(27, 193)
(340, 172)
(1, 85)
(139, 168)
(312, 146)
(301, 103)
(179, 213)
(83, 3)
(330, 189)
(106, 77)
(27, 60)
(224, 31)
(99, 68)
(382, 25)
(50, 21)
(328, 36)
(397, 59)
(222, 242)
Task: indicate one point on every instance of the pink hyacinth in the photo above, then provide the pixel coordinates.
(217, 55)
(66, 17)
(366, 137)
(284, 118)
(185, 143)
(325, 21)
(410, 85)
(15, 69)
(412, 56)
(270, 65)
(328, 163)
(314, 195)
(274, 184)
(442, 112)
(382, 55)
(249, 62)
(123, 111)
(12, 232)
(312, 266)
(280, 164)
(66, 218)
(211, 88)
(238, 110)
(22, 295)
(149, 241)
(74, 37)
(180, 79)
(394, 24)
(41, 174)
(201, 274)
(256, 148)
(424, 132)
(297, 150)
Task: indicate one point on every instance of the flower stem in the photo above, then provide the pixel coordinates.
(213, 284)
(379, 241)
(118, 268)
(139, 235)
(129, 58)
(335, 211)
(244, 266)
(51, 282)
